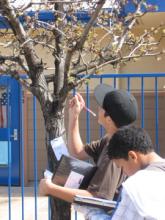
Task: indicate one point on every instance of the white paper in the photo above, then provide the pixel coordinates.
(59, 147)
(48, 174)
(74, 180)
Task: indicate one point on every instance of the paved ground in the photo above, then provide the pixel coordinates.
(16, 204)
(29, 205)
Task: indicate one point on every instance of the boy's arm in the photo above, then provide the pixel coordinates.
(75, 144)
(46, 187)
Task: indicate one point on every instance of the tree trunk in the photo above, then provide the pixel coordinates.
(60, 210)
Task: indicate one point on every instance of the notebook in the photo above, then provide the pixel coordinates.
(73, 173)
(95, 202)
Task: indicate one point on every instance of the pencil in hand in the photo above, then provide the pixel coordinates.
(90, 111)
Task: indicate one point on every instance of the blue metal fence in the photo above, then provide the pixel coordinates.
(99, 79)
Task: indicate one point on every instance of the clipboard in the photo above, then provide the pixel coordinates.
(95, 202)
(73, 173)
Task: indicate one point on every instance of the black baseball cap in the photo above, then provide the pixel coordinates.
(120, 105)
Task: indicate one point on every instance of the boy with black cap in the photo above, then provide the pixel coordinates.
(116, 108)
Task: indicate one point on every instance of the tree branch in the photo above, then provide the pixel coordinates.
(59, 52)
(49, 27)
(129, 26)
(93, 67)
(34, 63)
(80, 43)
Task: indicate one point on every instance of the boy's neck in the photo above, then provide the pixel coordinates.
(150, 158)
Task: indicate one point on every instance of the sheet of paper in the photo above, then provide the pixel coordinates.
(59, 147)
(48, 174)
(74, 180)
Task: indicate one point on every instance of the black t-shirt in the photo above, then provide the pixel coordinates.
(108, 177)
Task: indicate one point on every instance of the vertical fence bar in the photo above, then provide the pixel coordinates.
(74, 91)
(128, 84)
(22, 149)
(156, 116)
(9, 148)
(114, 82)
(87, 114)
(75, 212)
(49, 209)
(101, 129)
(142, 102)
(35, 154)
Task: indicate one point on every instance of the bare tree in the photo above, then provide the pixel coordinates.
(77, 50)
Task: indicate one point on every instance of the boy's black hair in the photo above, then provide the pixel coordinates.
(129, 138)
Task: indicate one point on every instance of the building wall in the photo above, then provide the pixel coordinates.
(146, 64)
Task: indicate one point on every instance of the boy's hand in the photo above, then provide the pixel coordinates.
(76, 104)
(45, 187)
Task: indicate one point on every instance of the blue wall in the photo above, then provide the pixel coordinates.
(159, 3)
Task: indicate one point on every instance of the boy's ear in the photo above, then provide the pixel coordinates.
(109, 120)
(132, 155)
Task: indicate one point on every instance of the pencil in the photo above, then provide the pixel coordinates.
(90, 111)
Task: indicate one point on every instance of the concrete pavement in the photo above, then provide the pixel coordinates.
(16, 204)
(29, 205)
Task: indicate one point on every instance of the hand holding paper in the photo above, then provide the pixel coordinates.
(44, 186)
(48, 174)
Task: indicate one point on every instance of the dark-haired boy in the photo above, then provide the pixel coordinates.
(143, 194)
